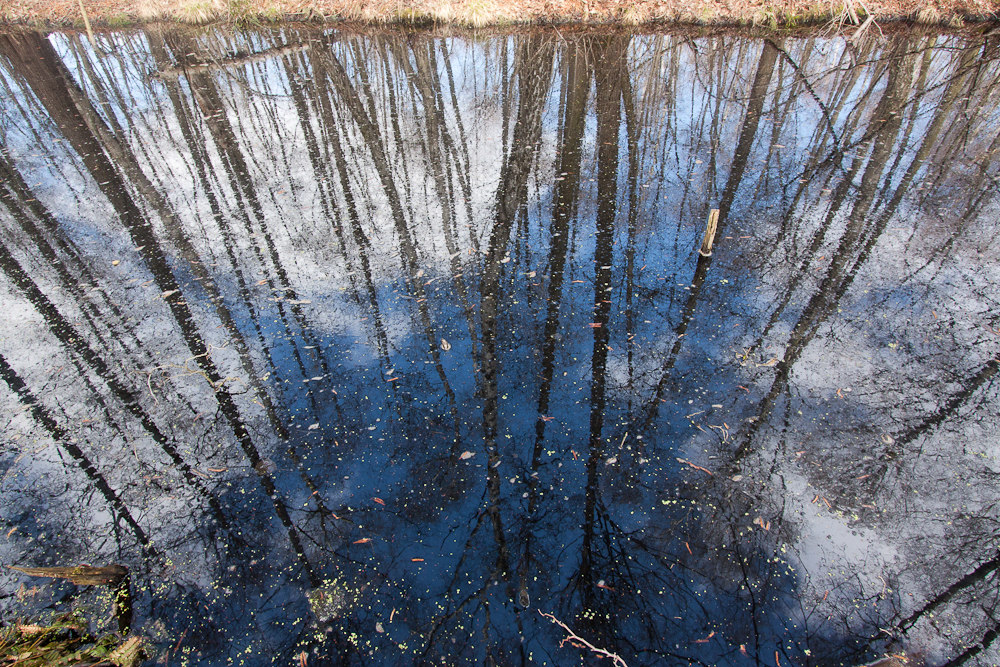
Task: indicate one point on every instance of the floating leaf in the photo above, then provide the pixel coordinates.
(465, 456)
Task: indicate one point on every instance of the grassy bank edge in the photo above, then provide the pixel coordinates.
(492, 13)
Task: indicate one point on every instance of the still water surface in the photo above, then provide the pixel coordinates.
(375, 349)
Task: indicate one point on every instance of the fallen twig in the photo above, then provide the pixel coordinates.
(695, 466)
(580, 642)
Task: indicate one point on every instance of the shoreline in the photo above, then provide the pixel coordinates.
(782, 14)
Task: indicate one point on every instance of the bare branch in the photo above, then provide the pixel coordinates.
(579, 642)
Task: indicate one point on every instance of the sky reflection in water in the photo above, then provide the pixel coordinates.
(376, 347)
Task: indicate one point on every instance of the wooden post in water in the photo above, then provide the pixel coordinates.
(713, 222)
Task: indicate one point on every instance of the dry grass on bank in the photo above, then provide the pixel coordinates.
(480, 13)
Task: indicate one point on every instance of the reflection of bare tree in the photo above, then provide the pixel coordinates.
(36, 61)
(366, 124)
(334, 152)
(534, 66)
(75, 342)
(443, 161)
(403, 159)
(983, 644)
(886, 123)
(248, 203)
(68, 444)
(895, 447)
(748, 132)
(608, 98)
(576, 78)
(38, 224)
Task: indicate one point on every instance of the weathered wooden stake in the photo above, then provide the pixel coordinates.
(713, 222)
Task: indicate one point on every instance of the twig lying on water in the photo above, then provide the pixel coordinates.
(698, 467)
(187, 370)
(579, 642)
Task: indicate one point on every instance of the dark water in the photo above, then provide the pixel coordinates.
(377, 348)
